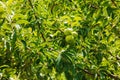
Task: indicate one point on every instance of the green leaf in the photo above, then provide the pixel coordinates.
(22, 22)
(24, 44)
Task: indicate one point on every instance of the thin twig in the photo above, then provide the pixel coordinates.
(39, 24)
(114, 3)
(116, 77)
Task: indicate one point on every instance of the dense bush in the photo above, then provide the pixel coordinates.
(59, 39)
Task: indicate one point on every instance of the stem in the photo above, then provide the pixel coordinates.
(86, 71)
(38, 23)
(116, 77)
(113, 2)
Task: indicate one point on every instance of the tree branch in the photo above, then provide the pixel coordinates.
(38, 23)
(113, 2)
(116, 77)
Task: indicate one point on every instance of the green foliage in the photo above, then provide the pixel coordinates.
(34, 43)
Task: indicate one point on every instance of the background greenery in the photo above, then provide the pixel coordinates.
(33, 45)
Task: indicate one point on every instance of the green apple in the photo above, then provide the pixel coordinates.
(75, 34)
(68, 31)
(69, 39)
